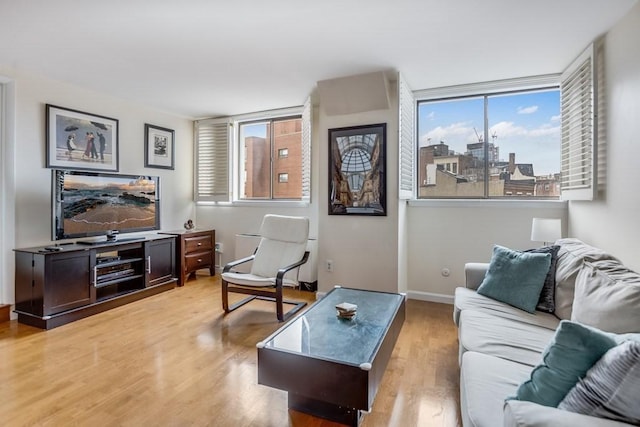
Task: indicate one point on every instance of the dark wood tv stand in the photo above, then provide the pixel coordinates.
(54, 287)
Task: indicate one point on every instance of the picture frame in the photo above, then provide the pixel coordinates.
(79, 140)
(159, 147)
(357, 170)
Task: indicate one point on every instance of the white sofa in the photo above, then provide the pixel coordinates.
(499, 345)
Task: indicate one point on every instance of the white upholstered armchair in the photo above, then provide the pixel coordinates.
(282, 250)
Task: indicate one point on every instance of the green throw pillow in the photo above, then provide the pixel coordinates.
(515, 278)
(574, 349)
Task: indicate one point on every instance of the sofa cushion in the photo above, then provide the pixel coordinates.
(468, 299)
(506, 338)
(521, 414)
(575, 348)
(571, 256)
(515, 277)
(546, 301)
(607, 296)
(611, 387)
(485, 381)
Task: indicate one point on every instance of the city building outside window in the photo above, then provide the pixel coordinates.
(262, 173)
(498, 145)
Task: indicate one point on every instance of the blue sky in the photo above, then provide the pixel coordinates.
(527, 124)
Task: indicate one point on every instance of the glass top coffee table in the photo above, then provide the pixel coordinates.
(332, 367)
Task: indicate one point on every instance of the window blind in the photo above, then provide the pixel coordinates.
(406, 138)
(212, 159)
(306, 149)
(579, 129)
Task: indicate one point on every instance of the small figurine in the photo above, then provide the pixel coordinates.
(189, 225)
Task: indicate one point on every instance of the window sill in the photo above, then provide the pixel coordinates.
(489, 203)
(260, 203)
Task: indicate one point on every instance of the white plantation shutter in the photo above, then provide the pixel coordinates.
(306, 149)
(212, 159)
(579, 129)
(406, 140)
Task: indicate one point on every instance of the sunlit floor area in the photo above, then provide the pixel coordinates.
(174, 359)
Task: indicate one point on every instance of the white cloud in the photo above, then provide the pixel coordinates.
(455, 130)
(556, 118)
(431, 115)
(505, 130)
(527, 110)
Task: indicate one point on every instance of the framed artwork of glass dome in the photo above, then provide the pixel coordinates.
(357, 170)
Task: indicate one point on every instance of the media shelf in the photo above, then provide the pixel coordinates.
(76, 281)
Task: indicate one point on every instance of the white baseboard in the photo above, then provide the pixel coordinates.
(417, 295)
(431, 297)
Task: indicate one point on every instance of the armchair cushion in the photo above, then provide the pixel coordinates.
(245, 279)
(284, 241)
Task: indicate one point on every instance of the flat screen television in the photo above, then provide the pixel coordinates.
(94, 204)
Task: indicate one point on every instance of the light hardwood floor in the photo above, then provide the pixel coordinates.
(174, 360)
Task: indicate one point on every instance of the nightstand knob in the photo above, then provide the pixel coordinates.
(199, 259)
(199, 243)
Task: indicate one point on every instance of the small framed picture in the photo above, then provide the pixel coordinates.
(79, 140)
(159, 147)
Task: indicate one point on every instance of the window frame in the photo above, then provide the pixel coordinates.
(232, 160)
(273, 156)
(483, 90)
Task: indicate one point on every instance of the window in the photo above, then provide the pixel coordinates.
(494, 145)
(258, 142)
(257, 156)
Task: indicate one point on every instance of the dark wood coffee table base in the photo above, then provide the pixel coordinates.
(332, 368)
(328, 411)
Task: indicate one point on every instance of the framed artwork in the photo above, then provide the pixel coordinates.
(79, 140)
(357, 170)
(159, 150)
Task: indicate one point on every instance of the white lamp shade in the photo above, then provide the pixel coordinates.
(546, 229)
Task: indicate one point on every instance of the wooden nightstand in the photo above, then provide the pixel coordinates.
(196, 250)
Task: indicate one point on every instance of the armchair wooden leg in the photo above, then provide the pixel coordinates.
(279, 308)
(225, 296)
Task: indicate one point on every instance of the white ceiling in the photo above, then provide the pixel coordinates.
(205, 58)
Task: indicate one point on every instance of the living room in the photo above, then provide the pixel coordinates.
(406, 250)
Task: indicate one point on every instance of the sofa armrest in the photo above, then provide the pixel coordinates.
(527, 414)
(474, 274)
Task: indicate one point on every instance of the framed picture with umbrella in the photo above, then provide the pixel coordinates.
(78, 140)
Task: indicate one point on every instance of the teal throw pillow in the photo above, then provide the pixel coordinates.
(611, 387)
(574, 349)
(515, 278)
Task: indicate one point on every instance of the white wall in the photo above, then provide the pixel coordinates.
(449, 234)
(33, 180)
(612, 222)
(364, 249)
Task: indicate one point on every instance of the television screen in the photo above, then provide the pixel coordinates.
(93, 204)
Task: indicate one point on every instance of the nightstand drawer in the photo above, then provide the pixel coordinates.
(198, 260)
(195, 252)
(198, 243)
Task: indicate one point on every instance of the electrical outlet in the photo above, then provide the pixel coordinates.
(329, 265)
(219, 247)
